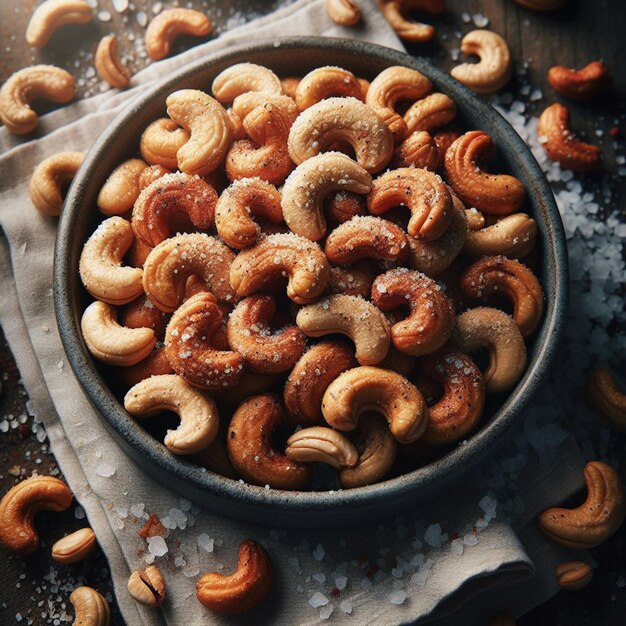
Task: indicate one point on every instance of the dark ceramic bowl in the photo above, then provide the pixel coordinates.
(296, 56)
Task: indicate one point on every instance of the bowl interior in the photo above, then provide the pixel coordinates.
(295, 57)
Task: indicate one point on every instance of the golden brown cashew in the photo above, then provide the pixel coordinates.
(243, 590)
(318, 444)
(343, 12)
(174, 260)
(395, 10)
(494, 194)
(583, 84)
(594, 521)
(49, 180)
(495, 67)
(326, 82)
(476, 220)
(430, 113)
(109, 65)
(513, 236)
(242, 78)
(311, 182)
(374, 389)
(352, 316)
(161, 141)
(74, 547)
(90, 608)
(166, 26)
(147, 586)
(260, 267)
(101, 268)
(208, 126)
(27, 85)
(289, 85)
(199, 419)
(21, 503)
(356, 280)
(121, 188)
(419, 149)
(606, 398)
(341, 119)
(489, 328)
(574, 575)
(51, 15)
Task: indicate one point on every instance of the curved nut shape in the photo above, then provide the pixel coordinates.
(150, 174)
(111, 343)
(189, 347)
(171, 23)
(444, 138)
(174, 260)
(311, 182)
(420, 150)
(147, 586)
(50, 178)
(499, 275)
(122, 187)
(75, 546)
(476, 220)
(21, 503)
(90, 608)
(245, 103)
(326, 82)
(425, 195)
(246, 197)
(356, 280)
(242, 78)
(394, 12)
(496, 331)
(249, 333)
(367, 237)
(155, 364)
(430, 113)
(494, 194)
(561, 145)
(250, 446)
(392, 85)
(258, 268)
(374, 389)
(513, 236)
(209, 128)
(594, 521)
(51, 15)
(244, 589)
(141, 313)
(606, 398)
(495, 67)
(377, 452)
(310, 377)
(460, 408)
(342, 119)
(431, 318)
(161, 141)
(318, 444)
(173, 199)
(582, 84)
(289, 85)
(101, 268)
(28, 84)
(343, 12)
(344, 205)
(199, 419)
(574, 575)
(348, 315)
(109, 65)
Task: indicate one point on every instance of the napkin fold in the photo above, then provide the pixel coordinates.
(475, 547)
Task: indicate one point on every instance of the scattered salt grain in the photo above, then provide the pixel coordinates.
(326, 612)
(341, 582)
(320, 578)
(106, 470)
(456, 546)
(434, 537)
(480, 20)
(104, 16)
(142, 18)
(157, 545)
(346, 607)
(205, 542)
(470, 539)
(397, 597)
(466, 17)
(120, 5)
(621, 581)
(79, 512)
(318, 599)
(318, 553)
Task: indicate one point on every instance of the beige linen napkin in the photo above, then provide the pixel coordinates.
(475, 547)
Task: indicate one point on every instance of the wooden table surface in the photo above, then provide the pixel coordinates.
(579, 32)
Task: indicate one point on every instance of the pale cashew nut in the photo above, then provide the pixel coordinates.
(28, 84)
(74, 547)
(147, 586)
(493, 329)
(513, 236)
(574, 575)
(209, 128)
(606, 398)
(395, 10)
(495, 67)
(21, 503)
(50, 178)
(343, 12)
(367, 388)
(161, 141)
(199, 418)
(594, 521)
(475, 220)
(419, 149)
(111, 343)
(245, 103)
(51, 15)
(121, 188)
(352, 316)
(243, 590)
(311, 182)
(101, 268)
(90, 607)
(430, 113)
(242, 78)
(341, 119)
(109, 65)
(583, 84)
(319, 444)
(166, 26)
(326, 82)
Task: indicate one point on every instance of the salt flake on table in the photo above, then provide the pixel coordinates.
(205, 542)
(318, 553)
(318, 599)
(106, 470)
(341, 582)
(326, 612)
(157, 545)
(470, 539)
(346, 607)
(480, 20)
(120, 5)
(434, 537)
(397, 597)
(456, 546)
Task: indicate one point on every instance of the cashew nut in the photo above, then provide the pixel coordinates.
(121, 188)
(513, 236)
(326, 82)
(580, 84)
(574, 575)
(343, 12)
(444, 138)
(171, 23)
(419, 149)
(161, 141)
(395, 10)
(242, 78)
(147, 586)
(289, 85)
(152, 173)
(356, 280)
(90, 608)
(430, 113)
(51, 15)
(75, 546)
(109, 65)
(318, 444)
(606, 398)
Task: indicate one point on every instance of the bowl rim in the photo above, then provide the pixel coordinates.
(412, 486)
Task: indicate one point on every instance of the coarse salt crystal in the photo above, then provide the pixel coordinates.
(318, 553)
(397, 597)
(318, 599)
(205, 542)
(346, 607)
(106, 470)
(157, 545)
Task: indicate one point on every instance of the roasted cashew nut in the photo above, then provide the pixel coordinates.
(356, 280)
(395, 10)
(341, 119)
(582, 84)
(326, 82)
(351, 316)
(101, 268)
(90, 608)
(199, 419)
(50, 178)
(594, 521)
(51, 15)
(311, 182)
(161, 141)
(242, 78)
(74, 547)
(152, 173)
(343, 12)
(365, 389)
(155, 364)
(341, 206)
(21, 503)
(121, 188)
(147, 586)
(109, 65)
(574, 575)
(606, 398)
(171, 23)
(444, 138)
(243, 590)
(419, 149)
(513, 236)
(430, 113)
(319, 444)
